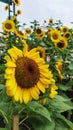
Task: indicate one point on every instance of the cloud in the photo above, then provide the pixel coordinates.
(42, 10)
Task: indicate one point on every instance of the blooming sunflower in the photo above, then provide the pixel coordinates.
(40, 33)
(20, 34)
(62, 43)
(8, 25)
(64, 29)
(59, 68)
(55, 35)
(26, 74)
(19, 12)
(41, 52)
(53, 91)
(6, 7)
(49, 30)
(67, 35)
(28, 30)
(16, 2)
(50, 21)
(38, 30)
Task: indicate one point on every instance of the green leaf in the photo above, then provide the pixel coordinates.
(40, 123)
(2, 86)
(62, 87)
(4, 116)
(61, 104)
(60, 125)
(39, 109)
(68, 122)
(71, 66)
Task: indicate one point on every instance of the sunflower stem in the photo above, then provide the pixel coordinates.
(16, 122)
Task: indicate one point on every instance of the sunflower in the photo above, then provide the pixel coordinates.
(55, 35)
(19, 12)
(62, 43)
(41, 52)
(26, 74)
(40, 33)
(28, 30)
(59, 68)
(20, 34)
(16, 2)
(64, 29)
(67, 35)
(53, 91)
(50, 21)
(49, 30)
(38, 30)
(6, 7)
(58, 28)
(8, 25)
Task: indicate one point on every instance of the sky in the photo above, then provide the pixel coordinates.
(41, 10)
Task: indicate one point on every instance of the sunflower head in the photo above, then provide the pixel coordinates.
(16, 2)
(28, 30)
(41, 52)
(20, 34)
(8, 26)
(64, 29)
(38, 30)
(55, 35)
(39, 33)
(49, 30)
(58, 28)
(6, 7)
(19, 12)
(53, 91)
(61, 44)
(50, 21)
(67, 35)
(59, 68)
(26, 74)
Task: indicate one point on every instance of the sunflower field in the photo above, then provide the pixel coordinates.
(36, 74)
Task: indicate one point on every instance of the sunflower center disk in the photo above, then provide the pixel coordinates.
(60, 44)
(16, 1)
(38, 31)
(55, 36)
(8, 26)
(27, 72)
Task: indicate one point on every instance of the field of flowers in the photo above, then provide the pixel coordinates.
(36, 75)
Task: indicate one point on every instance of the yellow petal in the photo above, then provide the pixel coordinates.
(34, 94)
(45, 81)
(37, 89)
(11, 83)
(25, 50)
(9, 76)
(46, 74)
(41, 87)
(12, 53)
(10, 71)
(10, 64)
(26, 96)
(7, 58)
(34, 55)
(18, 51)
(18, 94)
(11, 91)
